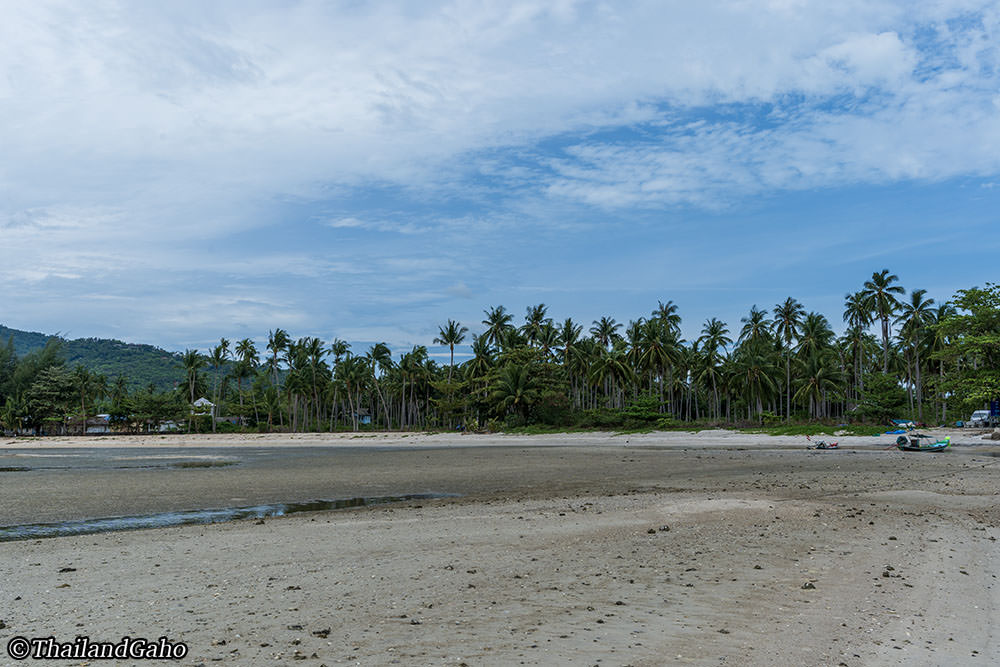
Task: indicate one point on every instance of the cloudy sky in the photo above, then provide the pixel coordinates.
(175, 172)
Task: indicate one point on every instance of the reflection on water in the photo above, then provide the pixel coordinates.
(189, 517)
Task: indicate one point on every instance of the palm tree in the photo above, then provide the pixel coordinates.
(516, 389)
(277, 342)
(820, 377)
(605, 330)
(192, 362)
(85, 384)
(339, 348)
(315, 351)
(497, 322)
(787, 319)
(380, 357)
(451, 334)
(913, 318)
(815, 336)
(534, 319)
(879, 295)
(667, 314)
(217, 359)
(659, 350)
(246, 351)
(939, 343)
(756, 326)
(547, 339)
(714, 335)
(858, 318)
(754, 368)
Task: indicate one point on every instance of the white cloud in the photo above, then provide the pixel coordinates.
(144, 144)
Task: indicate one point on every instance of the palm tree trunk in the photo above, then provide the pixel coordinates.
(788, 387)
(885, 344)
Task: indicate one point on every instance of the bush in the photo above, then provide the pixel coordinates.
(769, 418)
(883, 398)
(553, 410)
(514, 420)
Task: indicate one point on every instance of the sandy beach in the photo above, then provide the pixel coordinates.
(654, 549)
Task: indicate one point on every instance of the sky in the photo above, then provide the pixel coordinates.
(171, 173)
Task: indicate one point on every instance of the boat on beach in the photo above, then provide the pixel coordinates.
(921, 443)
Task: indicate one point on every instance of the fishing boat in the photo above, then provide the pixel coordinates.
(921, 443)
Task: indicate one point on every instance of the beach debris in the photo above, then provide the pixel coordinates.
(323, 634)
(67, 569)
(651, 531)
(808, 586)
(294, 627)
(2, 625)
(664, 528)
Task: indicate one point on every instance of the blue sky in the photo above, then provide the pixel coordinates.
(175, 172)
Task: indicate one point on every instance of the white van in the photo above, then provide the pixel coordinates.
(979, 418)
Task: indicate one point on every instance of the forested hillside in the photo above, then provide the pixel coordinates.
(140, 364)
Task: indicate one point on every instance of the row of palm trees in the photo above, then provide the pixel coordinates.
(781, 362)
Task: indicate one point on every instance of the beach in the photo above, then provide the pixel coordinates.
(661, 548)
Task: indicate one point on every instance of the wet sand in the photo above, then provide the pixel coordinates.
(592, 549)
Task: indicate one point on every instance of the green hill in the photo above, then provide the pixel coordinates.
(141, 364)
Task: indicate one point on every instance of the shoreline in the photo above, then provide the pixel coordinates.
(710, 438)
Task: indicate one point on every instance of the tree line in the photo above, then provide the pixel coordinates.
(901, 355)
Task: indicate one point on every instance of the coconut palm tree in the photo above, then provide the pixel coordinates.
(497, 322)
(756, 326)
(277, 343)
(754, 369)
(714, 335)
(605, 331)
(217, 359)
(667, 314)
(879, 296)
(815, 335)
(787, 319)
(820, 377)
(659, 351)
(451, 334)
(246, 352)
(858, 318)
(940, 342)
(534, 320)
(86, 385)
(192, 361)
(547, 339)
(380, 362)
(914, 316)
(516, 389)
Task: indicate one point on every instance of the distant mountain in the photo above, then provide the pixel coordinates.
(141, 364)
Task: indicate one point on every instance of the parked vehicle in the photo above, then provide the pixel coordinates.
(979, 419)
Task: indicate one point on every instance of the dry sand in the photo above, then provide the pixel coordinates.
(588, 549)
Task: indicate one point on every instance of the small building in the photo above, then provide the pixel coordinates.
(97, 425)
(203, 406)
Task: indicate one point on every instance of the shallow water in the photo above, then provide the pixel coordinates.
(190, 517)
